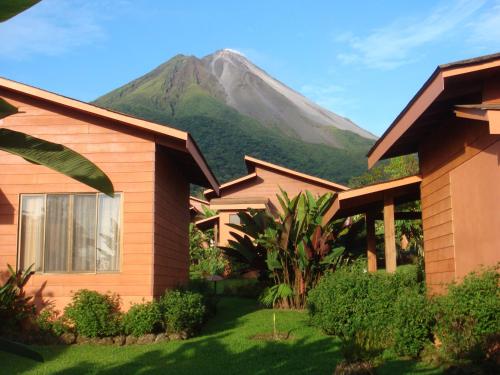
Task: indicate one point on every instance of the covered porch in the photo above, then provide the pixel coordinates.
(378, 202)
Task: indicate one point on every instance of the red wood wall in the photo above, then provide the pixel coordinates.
(128, 157)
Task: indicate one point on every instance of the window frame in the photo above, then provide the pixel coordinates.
(233, 214)
(70, 237)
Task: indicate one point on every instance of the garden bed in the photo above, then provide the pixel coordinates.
(70, 338)
(223, 347)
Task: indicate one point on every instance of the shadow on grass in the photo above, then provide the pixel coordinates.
(224, 347)
(211, 357)
(401, 366)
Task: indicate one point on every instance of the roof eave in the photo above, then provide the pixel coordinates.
(430, 90)
(251, 162)
(176, 136)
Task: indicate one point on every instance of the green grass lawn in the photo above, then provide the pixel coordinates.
(224, 347)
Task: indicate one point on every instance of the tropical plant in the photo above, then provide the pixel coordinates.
(15, 306)
(206, 258)
(208, 212)
(11, 8)
(294, 250)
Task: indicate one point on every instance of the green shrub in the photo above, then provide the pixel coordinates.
(15, 306)
(351, 303)
(142, 319)
(469, 314)
(94, 314)
(60, 326)
(412, 323)
(48, 321)
(182, 310)
(207, 290)
(45, 319)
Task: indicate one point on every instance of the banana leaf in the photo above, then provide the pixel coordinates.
(6, 109)
(333, 256)
(11, 8)
(272, 261)
(57, 157)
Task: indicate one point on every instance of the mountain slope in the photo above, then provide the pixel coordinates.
(222, 113)
(254, 93)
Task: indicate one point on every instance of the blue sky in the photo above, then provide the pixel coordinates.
(361, 59)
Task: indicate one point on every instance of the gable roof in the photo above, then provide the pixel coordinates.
(198, 200)
(196, 204)
(449, 85)
(371, 197)
(174, 139)
(252, 163)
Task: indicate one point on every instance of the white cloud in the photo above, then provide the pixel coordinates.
(332, 97)
(394, 45)
(54, 27)
(486, 29)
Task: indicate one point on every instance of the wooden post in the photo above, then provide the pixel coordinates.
(389, 236)
(371, 250)
(216, 234)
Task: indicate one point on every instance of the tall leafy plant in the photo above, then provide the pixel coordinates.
(15, 306)
(206, 259)
(293, 250)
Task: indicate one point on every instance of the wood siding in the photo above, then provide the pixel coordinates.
(266, 185)
(126, 155)
(171, 249)
(439, 159)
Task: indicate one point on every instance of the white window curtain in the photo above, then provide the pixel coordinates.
(32, 229)
(84, 232)
(108, 234)
(56, 233)
(70, 232)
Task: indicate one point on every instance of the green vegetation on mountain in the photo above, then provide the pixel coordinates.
(183, 94)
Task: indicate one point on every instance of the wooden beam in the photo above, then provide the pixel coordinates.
(471, 113)
(389, 236)
(371, 242)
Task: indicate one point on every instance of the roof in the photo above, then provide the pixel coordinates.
(207, 223)
(177, 140)
(449, 85)
(199, 200)
(251, 164)
(239, 203)
(209, 193)
(196, 205)
(371, 197)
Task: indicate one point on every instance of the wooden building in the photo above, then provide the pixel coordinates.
(196, 208)
(453, 124)
(258, 190)
(135, 244)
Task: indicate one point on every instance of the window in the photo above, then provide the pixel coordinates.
(70, 232)
(234, 219)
